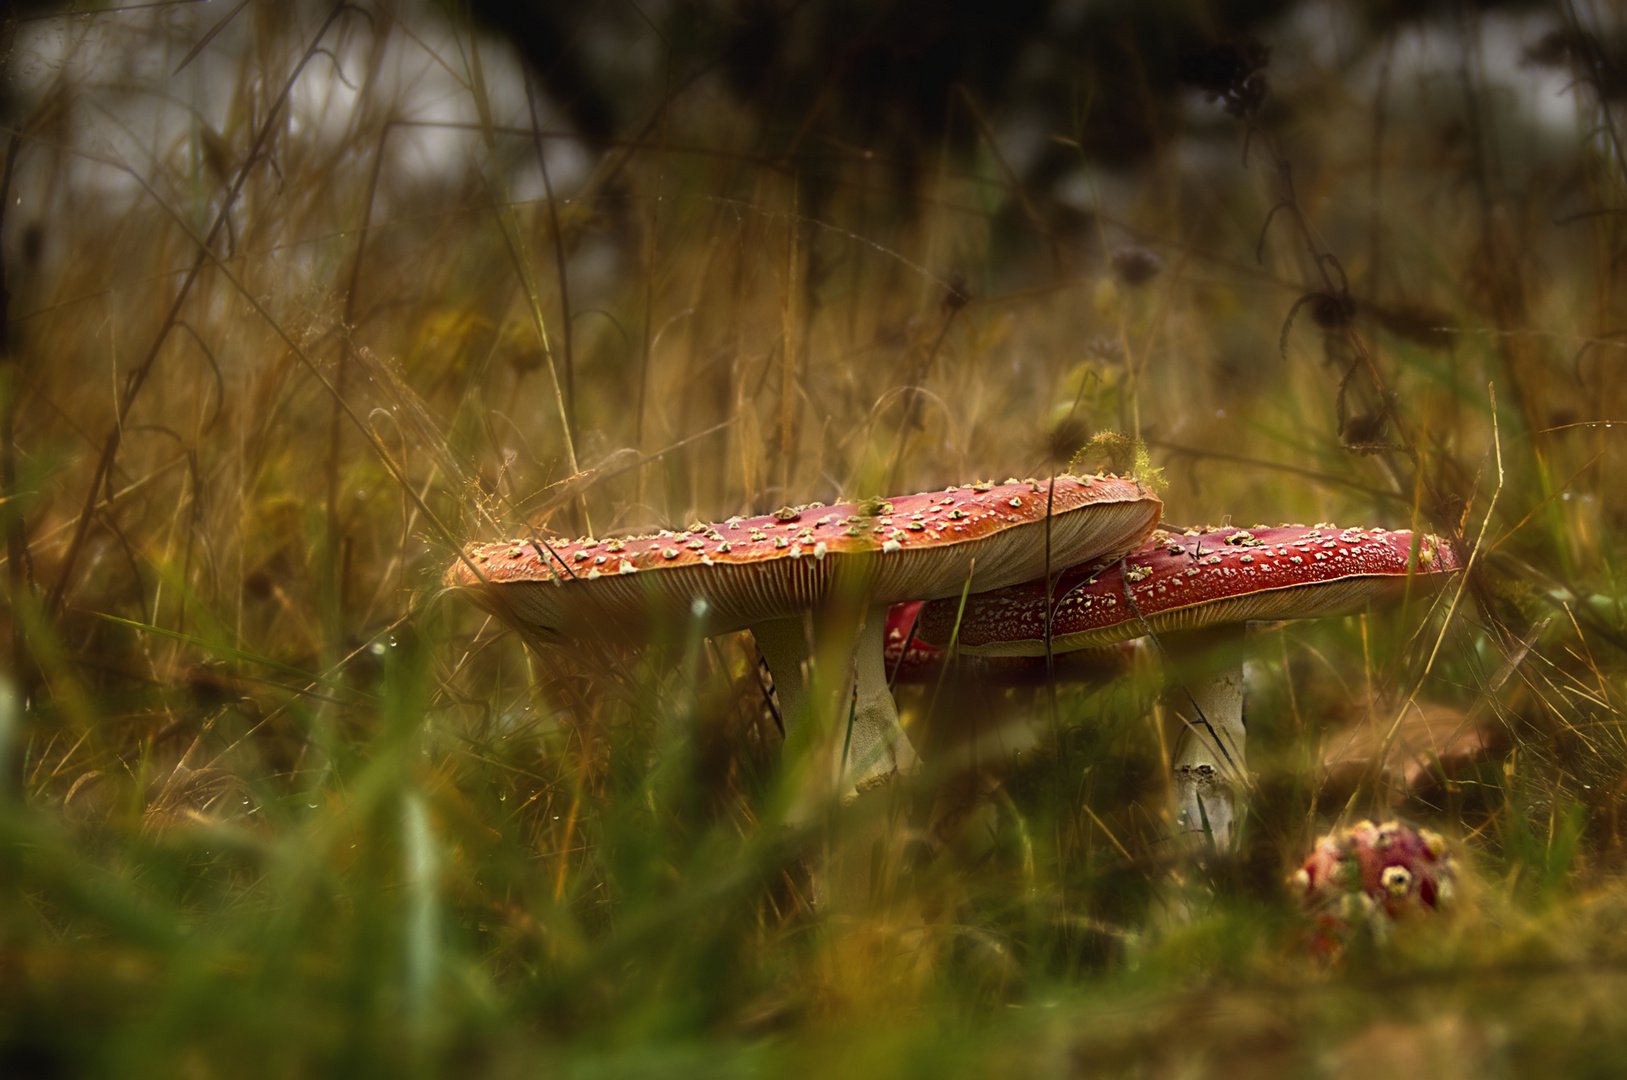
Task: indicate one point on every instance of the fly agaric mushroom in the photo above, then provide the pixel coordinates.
(1370, 875)
(764, 573)
(1189, 589)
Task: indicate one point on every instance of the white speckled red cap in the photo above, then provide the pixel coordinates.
(924, 663)
(1370, 875)
(750, 570)
(1192, 580)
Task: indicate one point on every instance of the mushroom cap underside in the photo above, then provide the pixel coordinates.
(744, 571)
(1193, 580)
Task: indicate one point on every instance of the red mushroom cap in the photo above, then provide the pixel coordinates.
(1368, 876)
(1194, 579)
(1393, 864)
(750, 570)
(924, 663)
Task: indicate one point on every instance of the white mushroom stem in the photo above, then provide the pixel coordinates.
(1210, 764)
(784, 645)
(876, 745)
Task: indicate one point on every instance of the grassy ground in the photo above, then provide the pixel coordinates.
(293, 314)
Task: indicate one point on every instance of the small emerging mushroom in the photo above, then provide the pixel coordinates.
(763, 574)
(1368, 876)
(1195, 591)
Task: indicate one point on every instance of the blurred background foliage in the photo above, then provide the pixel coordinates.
(301, 296)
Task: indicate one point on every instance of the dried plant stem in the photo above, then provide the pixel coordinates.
(18, 570)
(790, 345)
(515, 241)
(299, 353)
(138, 375)
(565, 331)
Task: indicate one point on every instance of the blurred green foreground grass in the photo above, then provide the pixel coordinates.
(301, 297)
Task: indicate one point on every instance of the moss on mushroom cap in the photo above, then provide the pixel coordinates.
(1202, 577)
(748, 570)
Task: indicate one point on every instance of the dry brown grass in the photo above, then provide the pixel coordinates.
(292, 319)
